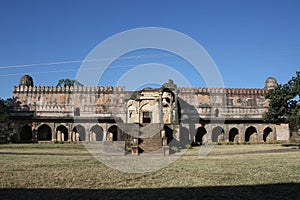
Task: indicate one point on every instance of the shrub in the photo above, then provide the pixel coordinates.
(188, 146)
(174, 148)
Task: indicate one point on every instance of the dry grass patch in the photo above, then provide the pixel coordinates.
(71, 167)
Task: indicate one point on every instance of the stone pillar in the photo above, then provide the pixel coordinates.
(73, 136)
(104, 135)
(94, 136)
(226, 133)
(58, 136)
(62, 136)
(77, 137)
(87, 135)
(70, 136)
(53, 135)
(160, 108)
(91, 136)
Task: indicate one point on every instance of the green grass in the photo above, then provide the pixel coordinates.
(69, 166)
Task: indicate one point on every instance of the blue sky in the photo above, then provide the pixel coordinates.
(248, 40)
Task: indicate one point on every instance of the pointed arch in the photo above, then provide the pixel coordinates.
(200, 134)
(268, 134)
(217, 132)
(63, 130)
(113, 130)
(44, 133)
(98, 130)
(249, 133)
(81, 130)
(233, 135)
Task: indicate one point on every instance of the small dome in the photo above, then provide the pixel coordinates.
(26, 80)
(271, 83)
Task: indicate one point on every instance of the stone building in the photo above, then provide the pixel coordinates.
(150, 118)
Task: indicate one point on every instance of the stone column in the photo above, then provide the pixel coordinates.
(87, 135)
(70, 136)
(160, 108)
(58, 136)
(77, 137)
(94, 136)
(53, 135)
(91, 136)
(73, 136)
(104, 134)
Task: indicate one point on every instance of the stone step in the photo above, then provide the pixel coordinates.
(151, 144)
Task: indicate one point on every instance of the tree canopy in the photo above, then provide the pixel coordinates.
(68, 82)
(5, 109)
(284, 103)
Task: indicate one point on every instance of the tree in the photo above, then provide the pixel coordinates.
(6, 107)
(68, 82)
(284, 103)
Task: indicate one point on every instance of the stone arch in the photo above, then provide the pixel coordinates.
(116, 134)
(200, 136)
(81, 131)
(217, 134)
(26, 133)
(233, 135)
(251, 134)
(63, 130)
(98, 131)
(44, 133)
(113, 132)
(268, 134)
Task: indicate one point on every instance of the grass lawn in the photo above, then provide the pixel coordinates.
(60, 171)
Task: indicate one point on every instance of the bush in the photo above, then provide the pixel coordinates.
(229, 143)
(188, 146)
(174, 148)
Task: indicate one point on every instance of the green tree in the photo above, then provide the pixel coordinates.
(284, 103)
(5, 109)
(68, 82)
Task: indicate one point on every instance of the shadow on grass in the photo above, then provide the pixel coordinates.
(270, 191)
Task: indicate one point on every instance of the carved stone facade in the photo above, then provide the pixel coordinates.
(184, 115)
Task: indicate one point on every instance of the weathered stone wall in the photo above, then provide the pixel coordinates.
(65, 113)
(63, 101)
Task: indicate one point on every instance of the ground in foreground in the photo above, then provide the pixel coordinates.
(60, 171)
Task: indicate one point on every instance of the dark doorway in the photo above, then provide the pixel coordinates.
(216, 132)
(26, 133)
(98, 131)
(232, 134)
(267, 132)
(64, 130)
(81, 130)
(44, 133)
(249, 131)
(201, 131)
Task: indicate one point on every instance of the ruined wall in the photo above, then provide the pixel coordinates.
(64, 101)
(226, 102)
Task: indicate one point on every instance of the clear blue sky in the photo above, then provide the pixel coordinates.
(248, 40)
